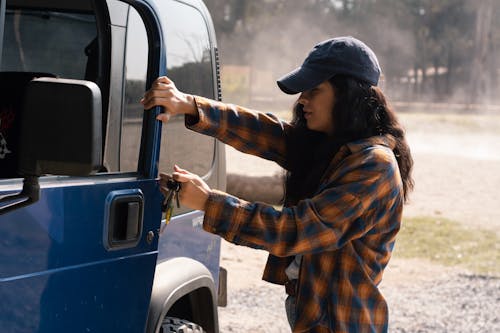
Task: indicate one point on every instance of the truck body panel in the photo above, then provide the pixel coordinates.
(71, 260)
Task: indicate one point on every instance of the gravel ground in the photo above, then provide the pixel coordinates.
(463, 304)
(457, 303)
(256, 310)
(423, 297)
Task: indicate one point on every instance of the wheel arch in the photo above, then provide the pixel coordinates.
(183, 288)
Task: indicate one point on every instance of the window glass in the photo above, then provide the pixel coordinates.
(47, 41)
(37, 42)
(136, 63)
(189, 66)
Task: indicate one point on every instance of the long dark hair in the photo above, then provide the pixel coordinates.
(360, 111)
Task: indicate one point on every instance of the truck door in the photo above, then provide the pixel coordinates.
(83, 257)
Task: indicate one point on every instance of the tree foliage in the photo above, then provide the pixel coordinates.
(435, 50)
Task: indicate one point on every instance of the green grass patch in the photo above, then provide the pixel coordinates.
(449, 243)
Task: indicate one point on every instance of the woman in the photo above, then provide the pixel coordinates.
(348, 175)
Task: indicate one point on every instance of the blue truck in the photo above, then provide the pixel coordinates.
(84, 245)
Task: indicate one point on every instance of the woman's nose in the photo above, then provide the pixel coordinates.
(302, 99)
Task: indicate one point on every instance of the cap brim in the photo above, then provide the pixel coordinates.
(301, 79)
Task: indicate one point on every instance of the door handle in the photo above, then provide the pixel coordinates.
(123, 219)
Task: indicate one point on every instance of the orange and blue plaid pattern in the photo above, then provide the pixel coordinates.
(345, 233)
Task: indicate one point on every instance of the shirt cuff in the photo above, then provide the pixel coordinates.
(200, 121)
(223, 214)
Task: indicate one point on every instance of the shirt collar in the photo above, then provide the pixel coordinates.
(386, 140)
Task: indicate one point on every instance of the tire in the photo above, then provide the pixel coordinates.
(171, 324)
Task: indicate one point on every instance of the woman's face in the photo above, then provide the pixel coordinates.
(318, 105)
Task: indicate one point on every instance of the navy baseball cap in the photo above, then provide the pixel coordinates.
(341, 55)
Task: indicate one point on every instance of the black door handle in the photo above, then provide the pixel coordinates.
(123, 228)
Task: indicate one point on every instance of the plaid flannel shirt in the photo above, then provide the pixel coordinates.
(345, 232)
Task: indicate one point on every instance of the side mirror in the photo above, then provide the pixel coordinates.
(61, 130)
(61, 134)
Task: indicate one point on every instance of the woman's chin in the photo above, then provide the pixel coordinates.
(313, 126)
(320, 129)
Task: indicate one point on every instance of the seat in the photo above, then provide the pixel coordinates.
(12, 89)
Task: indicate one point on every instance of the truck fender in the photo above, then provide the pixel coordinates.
(182, 277)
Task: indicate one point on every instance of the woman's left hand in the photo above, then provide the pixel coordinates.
(194, 191)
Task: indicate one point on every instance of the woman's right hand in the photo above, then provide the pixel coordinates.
(164, 93)
(194, 192)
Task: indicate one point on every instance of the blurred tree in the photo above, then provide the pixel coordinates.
(226, 14)
(442, 35)
(480, 85)
(429, 49)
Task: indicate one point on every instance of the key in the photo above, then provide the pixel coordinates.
(167, 206)
(177, 196)
(167, 202)
(174, 188)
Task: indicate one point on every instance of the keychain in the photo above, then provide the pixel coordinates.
(168, 206)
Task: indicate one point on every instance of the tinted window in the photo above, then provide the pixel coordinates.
(37, 42)
(47, 41)
(136, 63)
(189, 66)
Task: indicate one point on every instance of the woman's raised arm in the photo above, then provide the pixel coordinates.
(249, 131)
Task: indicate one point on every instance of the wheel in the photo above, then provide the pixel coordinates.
(171, 324)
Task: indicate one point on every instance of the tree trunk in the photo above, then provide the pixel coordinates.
(479, 85)
(450, 66)
(437, 79)
(416, 83)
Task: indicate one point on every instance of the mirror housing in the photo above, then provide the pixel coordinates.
(61, 128)
(61, 134)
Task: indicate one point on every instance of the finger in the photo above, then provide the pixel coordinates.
(180, 170)
(154, 92)
(194, 177)
(163, 79)
(155, 101)
(165, 176)
(161, 86)
(164, 117)
(164, 182)
(182, 177)
(161, 91)
(157, 93)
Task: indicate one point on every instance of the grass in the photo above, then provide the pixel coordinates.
(449, 243)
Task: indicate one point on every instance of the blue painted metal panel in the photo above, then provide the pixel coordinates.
(56, 274)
